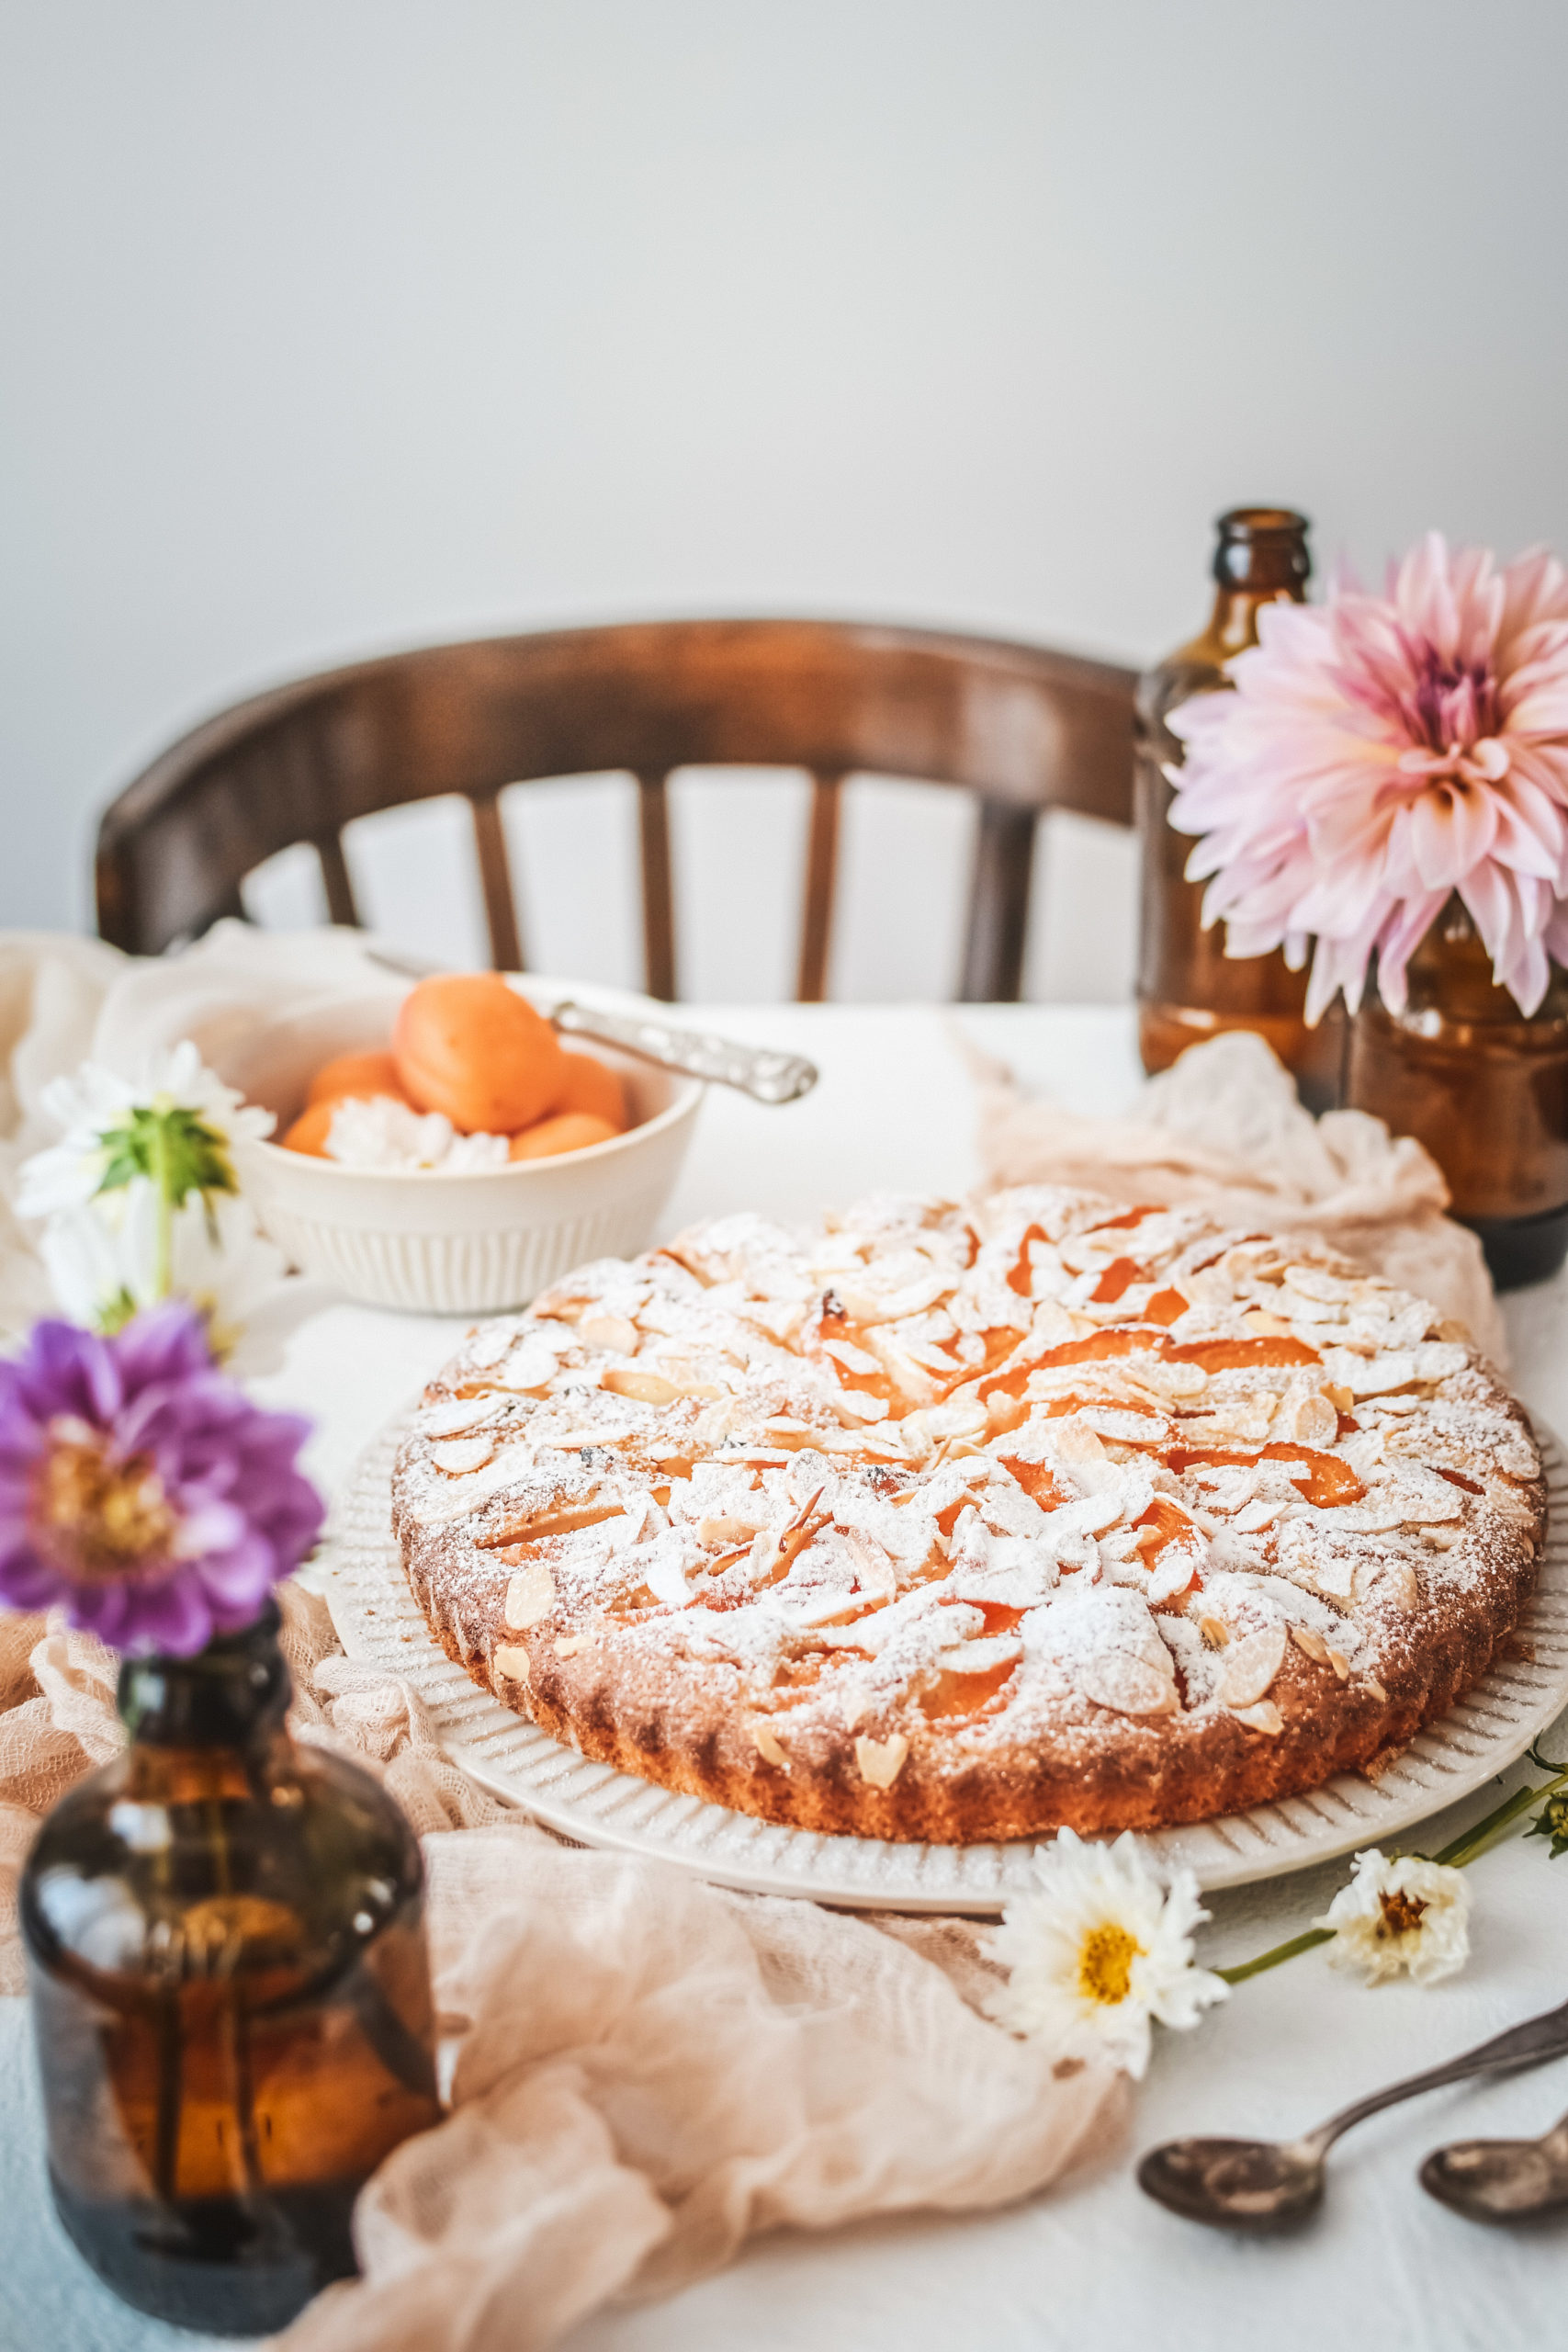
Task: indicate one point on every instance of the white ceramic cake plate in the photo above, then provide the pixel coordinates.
(381, 1623)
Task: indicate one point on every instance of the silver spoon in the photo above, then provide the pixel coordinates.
(1262, 2183)
(1501, 2180)
(761, 1072)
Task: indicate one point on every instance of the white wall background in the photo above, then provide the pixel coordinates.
(331, 326)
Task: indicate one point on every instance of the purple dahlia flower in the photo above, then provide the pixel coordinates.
(144, 1489)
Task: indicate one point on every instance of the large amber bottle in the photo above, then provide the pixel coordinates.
(226, 1947)
(1188, 989)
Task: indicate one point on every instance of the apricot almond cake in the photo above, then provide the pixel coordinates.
(965, 1522)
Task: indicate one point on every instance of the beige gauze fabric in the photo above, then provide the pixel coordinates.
(1224, 1126)
(644, 2070)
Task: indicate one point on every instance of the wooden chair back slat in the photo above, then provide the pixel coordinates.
(1022, 728)
(335, 879)
(998, 905)
(658, 888)
(821, 878)
(495, 881)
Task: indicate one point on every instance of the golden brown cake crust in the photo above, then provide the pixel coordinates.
(964, 1523)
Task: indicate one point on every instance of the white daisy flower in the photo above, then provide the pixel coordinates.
(383, 1134)
(1098, 1950)
(1405, 1915)
(96, 1110)
(102, 1261)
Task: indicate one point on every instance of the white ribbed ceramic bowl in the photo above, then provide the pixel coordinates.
(450, 1244)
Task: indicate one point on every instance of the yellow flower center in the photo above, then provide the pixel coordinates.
(98, 1517)
(1105, 1964)
(1401, 1913)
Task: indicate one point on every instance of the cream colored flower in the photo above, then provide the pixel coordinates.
(1405, 1915)
(1098, 1950)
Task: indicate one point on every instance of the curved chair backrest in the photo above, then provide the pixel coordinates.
(1022, 728)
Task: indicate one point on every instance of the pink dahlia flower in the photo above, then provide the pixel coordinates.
(142, 1488)
(1380, 753)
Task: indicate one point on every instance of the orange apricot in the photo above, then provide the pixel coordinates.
(357, 1076)
(568, 1131)
(468, 1045)
(591, 1085)
(312, 1128)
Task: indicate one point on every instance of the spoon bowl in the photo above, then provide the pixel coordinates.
(1267, 2184)
(1238, 2184)
(1501, 2180)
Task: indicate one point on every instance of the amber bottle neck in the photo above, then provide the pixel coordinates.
(1260, 558)
(232, 1694)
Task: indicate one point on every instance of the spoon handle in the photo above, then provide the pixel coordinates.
(757, 1070)
(1530, 2044)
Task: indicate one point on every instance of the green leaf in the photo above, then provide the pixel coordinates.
(1551, 1822)
(116, 1312)
(171, 1146)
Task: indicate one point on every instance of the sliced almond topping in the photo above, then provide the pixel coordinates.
(1076, 1441)
(1440, 1539)
(1312, 1420)
(611, 1331)
(770, 1748)
(875, 1575)
(1172, 1575)
(1266, 1325)
(570, 1644)
(642, 1387)
(722, 1534)
(1264, 1717)
(880, 1761)
(1340, 1663)
(1216, 1632)
(1375, 1687)
(1339, 1395)
(1252, 1666)
(764, 1554)
(1313, 1281)
(1399, 1586)
(458, 1457)
(1129, 1685)
(1307, 1638)
(530, 1597)
(510, 1660)
(450, 1419)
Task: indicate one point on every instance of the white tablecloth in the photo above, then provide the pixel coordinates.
(1095, 2264)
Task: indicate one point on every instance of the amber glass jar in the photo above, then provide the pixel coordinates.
(226, 1946)
(1483, 1086)
(1188, 987)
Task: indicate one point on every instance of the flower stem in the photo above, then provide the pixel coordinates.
(1247, 1968)
(1470, 1842)
(1454, 1856)
(163, 1260)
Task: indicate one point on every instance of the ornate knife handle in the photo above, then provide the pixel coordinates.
(768, 1077)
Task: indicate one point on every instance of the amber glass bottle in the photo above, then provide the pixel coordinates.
(226, 1946)
(1188, 987)
(1483, 1086)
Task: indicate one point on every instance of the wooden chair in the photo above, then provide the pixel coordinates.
(1022, 727)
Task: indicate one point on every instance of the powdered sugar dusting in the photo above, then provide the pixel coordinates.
(987, 1479)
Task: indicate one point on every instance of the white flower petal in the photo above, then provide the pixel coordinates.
(1104, 1898)
(1399, 1917)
